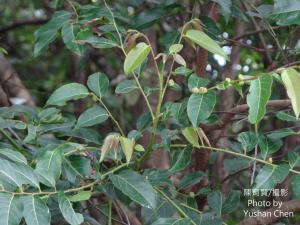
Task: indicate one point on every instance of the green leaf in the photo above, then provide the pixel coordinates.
(72, 91)
(139, 148)
(268, 145)
(195, 81)
(67, 210)
(225, 5)
(81, 196)
(291, 80)
(295, 183)
(175, 48)
(135, 57)
(294, 159)
(191, 135)
(87, 37)
(232, 202)
(204, 41)
(77, 166)
(200, 106)
(286, 117)
(172, 221)
(215, 200)
(127, 147)
(31, 135)
(180, 159)
(91, 117)
(98, 83)
(10, 209)
(259, 94)
(17, 174)
(48, 167)
(248, 140)
(126, 86)
(269, 176)
(13, 155)
(35, 211)
(191, 179)
(135, 187)
(68, 33)
(47, 33)
(281, 133)
(286, 12)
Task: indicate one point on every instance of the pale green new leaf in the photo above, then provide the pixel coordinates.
(191, 135)
(67, 210)
(259, 94)
(10, 210)
(127, 147)
(291, 80)
(204, 41)
(81, 196)
(135, 187)
(98, 83)
(136, 56)
(72, 91)
(200, 106)
(175, 48)
(269, 176)
(126, 86)
(35, 211)
(91, 117)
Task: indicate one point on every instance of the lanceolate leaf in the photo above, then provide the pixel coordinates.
(47, 33)
(35, 211)
(291, 80)
(127, 147)
(269, 176)
(136, 56)
(72, 91)
(17, 174)
(135, 187)
(126, 86)
(259, 94)
(13, 155)
(180, 159)
(68, 33)
(191, 135)
(268, 145)
(10, 209)
(67, 210)
(248, 140)
(204, 41)
(200, 106)
(48, 166)
(98, 83)
(215, 201)
(91, 117)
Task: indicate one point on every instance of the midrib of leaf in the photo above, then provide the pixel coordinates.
(198, 111)
(7, 175)
(72, 167)
(259, 98)
(70, 96)
(74, 213)
(179, 158)
(8, 209)
(20, 172)
(50, 160)
(34, 210)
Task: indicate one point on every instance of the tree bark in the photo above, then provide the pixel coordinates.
(12, 84)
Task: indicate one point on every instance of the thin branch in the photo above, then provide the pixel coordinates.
(21, 23)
